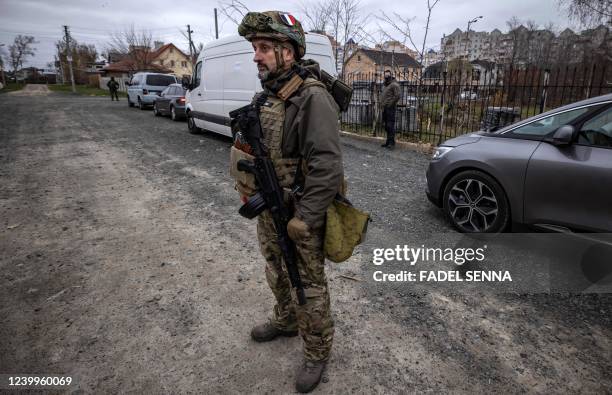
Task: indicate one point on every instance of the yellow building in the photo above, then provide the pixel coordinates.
(170, 57)
(365, 62)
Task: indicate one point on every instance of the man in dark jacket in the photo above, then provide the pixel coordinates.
(389, 99)
(300, 125)
(113, 87)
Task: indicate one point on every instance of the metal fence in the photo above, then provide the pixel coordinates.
(445, 104)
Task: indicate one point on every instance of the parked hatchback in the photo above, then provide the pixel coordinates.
(171, 102)
(144, 88)
(552, 171)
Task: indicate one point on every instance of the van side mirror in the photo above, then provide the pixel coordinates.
(186, 82)
(565, 135)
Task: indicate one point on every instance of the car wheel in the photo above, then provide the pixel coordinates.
(140, 104)
(476, 203)
(191, 125)
(173, 115)
(155, 110)
(130, 104)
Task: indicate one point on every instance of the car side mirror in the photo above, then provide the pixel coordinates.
(186, 82)
(565, 135)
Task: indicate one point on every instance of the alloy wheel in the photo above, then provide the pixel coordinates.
(473, 205)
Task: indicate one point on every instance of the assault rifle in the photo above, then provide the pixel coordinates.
(270, 195)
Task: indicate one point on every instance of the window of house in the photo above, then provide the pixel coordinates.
(183, 64)
(171, 50)
(359, 58)
(161, 62)
(172, 63)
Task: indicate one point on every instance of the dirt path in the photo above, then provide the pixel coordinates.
(123, 263)
(32, 90)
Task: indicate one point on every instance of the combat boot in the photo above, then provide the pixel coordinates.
(309, 375)
(267, 332)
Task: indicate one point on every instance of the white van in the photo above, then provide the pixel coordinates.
(225, 79)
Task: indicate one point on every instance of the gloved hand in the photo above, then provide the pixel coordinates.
(297, 229)
(244, 189)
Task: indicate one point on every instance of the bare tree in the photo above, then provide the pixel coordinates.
(316, 15)
(234, 10)
(335, 27)
(373, 40)
(402, 26)
(351, 20)
(404, 29)
(515, 35)
(530, 41)
(20, 50)
(83, 56)
(543, 45)
(135, 46)
(588, 13)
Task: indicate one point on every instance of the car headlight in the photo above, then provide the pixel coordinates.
(440, 152)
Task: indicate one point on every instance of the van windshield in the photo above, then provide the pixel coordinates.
(160, 80)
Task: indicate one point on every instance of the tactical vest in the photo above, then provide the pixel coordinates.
(272, 118)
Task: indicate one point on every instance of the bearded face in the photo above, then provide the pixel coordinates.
(265, 58)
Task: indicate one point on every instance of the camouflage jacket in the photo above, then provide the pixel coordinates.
(311, 132)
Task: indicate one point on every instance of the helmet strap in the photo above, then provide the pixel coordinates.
(278, 53)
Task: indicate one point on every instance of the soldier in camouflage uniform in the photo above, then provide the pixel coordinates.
(300, 126)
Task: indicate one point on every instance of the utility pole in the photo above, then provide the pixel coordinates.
(69, 57)
(189, 31)
(191, 48)
(216, 26)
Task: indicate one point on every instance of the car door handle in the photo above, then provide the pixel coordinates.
(199, 94)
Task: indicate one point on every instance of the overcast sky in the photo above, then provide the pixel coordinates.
(92, 21)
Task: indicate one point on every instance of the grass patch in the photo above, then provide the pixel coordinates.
(82, 90)
(12, 87)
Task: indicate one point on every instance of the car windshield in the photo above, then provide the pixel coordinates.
(160, 80)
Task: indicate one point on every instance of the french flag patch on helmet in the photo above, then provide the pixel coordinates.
(287, 19)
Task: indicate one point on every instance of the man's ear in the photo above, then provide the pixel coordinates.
(288, 54)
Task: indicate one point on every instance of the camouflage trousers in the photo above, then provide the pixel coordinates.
(313, 319)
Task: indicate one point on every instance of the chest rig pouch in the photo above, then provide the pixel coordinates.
(272, 119)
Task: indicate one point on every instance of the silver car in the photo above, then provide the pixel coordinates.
(552, 171)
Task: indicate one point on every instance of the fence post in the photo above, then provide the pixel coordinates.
(442, 107)
(588, 92)
(544, 90)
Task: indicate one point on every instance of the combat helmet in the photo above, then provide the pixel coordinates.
(274, 25)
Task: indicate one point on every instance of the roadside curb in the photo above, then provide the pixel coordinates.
(424, 148)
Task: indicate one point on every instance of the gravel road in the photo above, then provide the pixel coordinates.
(125, 264)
